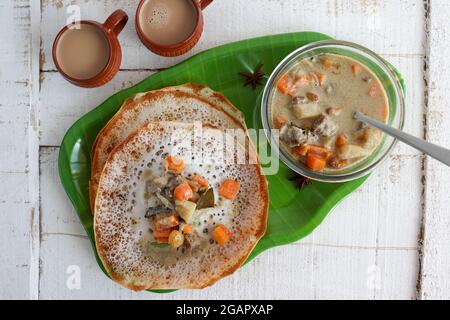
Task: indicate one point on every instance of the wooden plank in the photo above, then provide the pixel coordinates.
(18, 161)
(58, 214)
(373, 255)
(435, 268)
(379, 214)
(375, 24)
(352, 254)
(302, 271)
(33, 147)
(57, 113)
(397, 272)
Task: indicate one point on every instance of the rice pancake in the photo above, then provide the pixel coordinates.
(127, 219)
(185, 103)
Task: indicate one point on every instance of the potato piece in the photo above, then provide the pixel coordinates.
(352, 151)
(329, 142)
(303, 111)
(185, 209)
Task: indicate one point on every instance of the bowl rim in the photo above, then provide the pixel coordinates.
(286, 159)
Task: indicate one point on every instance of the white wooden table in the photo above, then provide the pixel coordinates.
(390, 240)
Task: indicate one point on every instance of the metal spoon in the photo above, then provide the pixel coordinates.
(437, 152)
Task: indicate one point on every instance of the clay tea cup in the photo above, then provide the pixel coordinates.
(170, 27)
(88, 53)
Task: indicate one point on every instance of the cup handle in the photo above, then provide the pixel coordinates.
(116, 21)
(204, 3)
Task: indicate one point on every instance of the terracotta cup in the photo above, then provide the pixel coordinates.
(111, 29)
(178, 48)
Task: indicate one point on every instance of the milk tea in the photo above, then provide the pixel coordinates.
(83, 53)
(168, 22)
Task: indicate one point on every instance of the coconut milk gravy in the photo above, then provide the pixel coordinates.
(319, 96)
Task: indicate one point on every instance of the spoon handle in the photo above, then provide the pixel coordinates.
(437, 152)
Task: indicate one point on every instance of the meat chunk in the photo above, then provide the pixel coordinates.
(153, 211)
(191, 241)
(156, 184)
(369, 138)
(324, 126)
(294, 136)
(312, 96)
(362, 125)
(299, 100)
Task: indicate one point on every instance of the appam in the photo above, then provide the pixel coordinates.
(185, 103)
(123, 232)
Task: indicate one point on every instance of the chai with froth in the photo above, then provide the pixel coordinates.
(82, 53)
(168, 22)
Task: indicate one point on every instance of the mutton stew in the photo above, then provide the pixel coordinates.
(313, 106)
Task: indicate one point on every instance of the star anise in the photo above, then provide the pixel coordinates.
(300, 181)
(253, 78)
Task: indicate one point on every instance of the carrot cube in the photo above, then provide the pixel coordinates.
(221, 234)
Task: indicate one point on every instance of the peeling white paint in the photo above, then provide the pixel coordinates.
(376, 229)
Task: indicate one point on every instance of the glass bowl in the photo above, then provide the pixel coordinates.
(388, 77)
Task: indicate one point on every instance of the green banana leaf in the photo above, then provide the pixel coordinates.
(293, 213)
